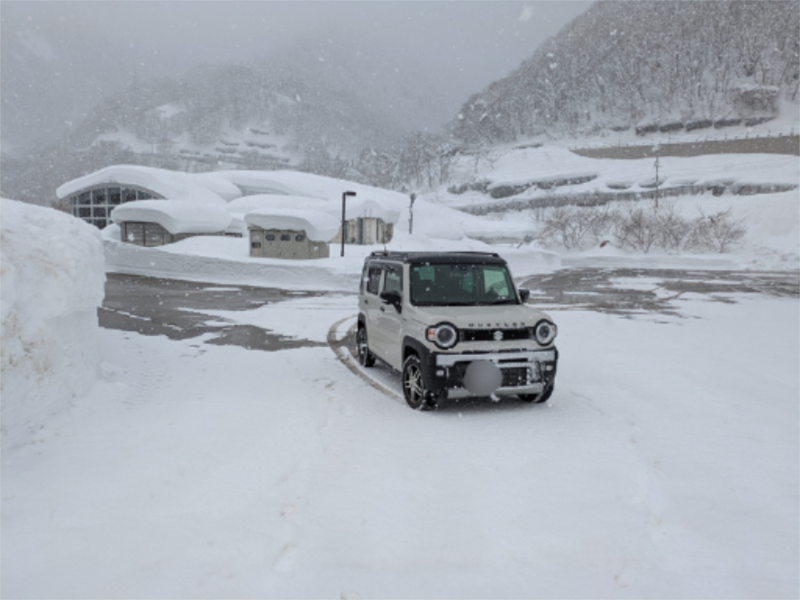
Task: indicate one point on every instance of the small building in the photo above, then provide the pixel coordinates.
(370, 216)
(295, 234)
(367, 221)
(367, 230)
(160, 222)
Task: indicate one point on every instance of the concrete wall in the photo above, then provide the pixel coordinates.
(288, 244)
(366, 230)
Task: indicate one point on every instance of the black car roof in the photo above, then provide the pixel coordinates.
(417, 258)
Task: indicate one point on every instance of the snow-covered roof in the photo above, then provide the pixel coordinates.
(319, 227)
(219, 185)
(176, 216)
(355, 207)
(247, 204)
(169, 184)
(368, 202)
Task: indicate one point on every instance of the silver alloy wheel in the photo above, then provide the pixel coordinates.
(414, 390)
(365, 357)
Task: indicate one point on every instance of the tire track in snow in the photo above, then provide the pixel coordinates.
(345, 356)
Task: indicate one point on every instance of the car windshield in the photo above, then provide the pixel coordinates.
(461, 285)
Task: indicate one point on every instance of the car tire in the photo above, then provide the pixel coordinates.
(365, 357)
(544, 396)
(416, 394)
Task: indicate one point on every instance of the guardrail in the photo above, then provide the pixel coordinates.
(598, 198)
(741, 144)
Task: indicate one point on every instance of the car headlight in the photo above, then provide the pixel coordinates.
(544, 332)
(443, 335)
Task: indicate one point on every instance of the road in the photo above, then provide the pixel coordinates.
(173, 308)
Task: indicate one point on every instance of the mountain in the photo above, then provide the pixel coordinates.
(265, 116)
(51, 80)
(648, 64)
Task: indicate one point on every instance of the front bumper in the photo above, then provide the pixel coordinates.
(523, 371)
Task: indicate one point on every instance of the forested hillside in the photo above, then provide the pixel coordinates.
(648, 64)
(263, 116)
(644, 66)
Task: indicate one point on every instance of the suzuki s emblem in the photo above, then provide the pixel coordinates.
(498, 335)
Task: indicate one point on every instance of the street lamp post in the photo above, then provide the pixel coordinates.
(344, 222)
(411, 213)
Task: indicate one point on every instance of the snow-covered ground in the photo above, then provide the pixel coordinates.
(665, 464)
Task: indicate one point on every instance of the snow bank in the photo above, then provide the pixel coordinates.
(52, 283)
(318, 226)
(226, 260)
(176, 216)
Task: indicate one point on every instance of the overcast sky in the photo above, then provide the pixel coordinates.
(166, 36)
(462, 45)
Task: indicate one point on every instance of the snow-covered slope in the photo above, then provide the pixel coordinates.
(666, 65)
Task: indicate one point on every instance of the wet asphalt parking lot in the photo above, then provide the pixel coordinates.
(152, 306)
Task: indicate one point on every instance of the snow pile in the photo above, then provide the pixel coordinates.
(176, 216)
(318, 226)
(52, 283)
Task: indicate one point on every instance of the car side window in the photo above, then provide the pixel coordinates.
(374, 281)
(393, 281)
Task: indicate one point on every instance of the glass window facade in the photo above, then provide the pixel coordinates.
(95, 205)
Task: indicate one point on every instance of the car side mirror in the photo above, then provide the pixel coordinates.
(524, 295)
(392, 297)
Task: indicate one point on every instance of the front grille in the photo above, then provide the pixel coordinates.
(512, 376)
(488, 335)
(519, 376)
(515, 377)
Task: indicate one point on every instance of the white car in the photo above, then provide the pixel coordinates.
(454, 325)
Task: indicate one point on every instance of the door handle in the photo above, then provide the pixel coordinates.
(383, 309)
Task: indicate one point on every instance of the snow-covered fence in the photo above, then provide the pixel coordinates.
(744, 143)
(599, 198)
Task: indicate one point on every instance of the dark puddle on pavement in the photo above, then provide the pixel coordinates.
(173, 308)
(255, 338)
(614, 291)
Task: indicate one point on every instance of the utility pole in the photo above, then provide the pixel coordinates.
(411, 213)
(657, 149)
(344, 221)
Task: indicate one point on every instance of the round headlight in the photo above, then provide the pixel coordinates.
(545, 332)
(443, 335)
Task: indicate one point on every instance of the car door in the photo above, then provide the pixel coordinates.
(389, 317)
(371, 305)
